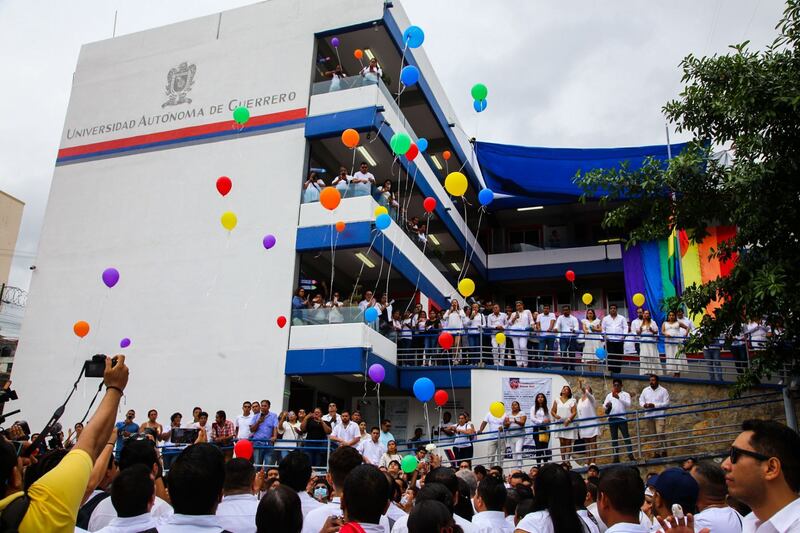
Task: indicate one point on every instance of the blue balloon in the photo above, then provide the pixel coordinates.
(479, 105)
(422, 144)
(424, 389)
(413, 36)
(601, 353)
(409, 75)
(371, 314)
(383, 221)
(486, 196)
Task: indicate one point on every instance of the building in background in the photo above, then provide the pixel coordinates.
(10, 308)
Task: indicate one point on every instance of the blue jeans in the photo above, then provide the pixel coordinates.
(739, 352)
(569, 347)
(263, 453)
(431, 343)
(620, 425)
(547, 348)
(713, 361)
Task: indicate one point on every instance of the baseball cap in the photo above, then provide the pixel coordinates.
(676, 485)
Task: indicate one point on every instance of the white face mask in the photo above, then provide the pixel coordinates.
(320, 492)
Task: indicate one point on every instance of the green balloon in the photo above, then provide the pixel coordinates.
(241, 115)
(409, 463)
(479, 91)
(400, 143)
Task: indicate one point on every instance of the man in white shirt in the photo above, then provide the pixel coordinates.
(497, 322)
(614, 327)
(547, 326)
(333, 418)
(713, 511)
(202, 423)
(362, 182)
(763, 472)
(132, 495)
(346, 433)
(654, 399)
(295, 472)
(568, 328)
(488, 502)
(620, 496)
(244, 421)
(372, 449)
(617, 403)
(237, 510)
(636, 323)
(497, 446)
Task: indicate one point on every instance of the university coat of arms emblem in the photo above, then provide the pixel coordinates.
(179, 82)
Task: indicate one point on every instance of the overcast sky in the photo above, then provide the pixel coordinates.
(580, 73)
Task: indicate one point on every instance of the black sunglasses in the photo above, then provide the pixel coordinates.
(736, 453)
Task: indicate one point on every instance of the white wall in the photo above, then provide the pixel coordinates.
(555, 256)
(342, 336)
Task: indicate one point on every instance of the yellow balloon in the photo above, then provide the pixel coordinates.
(586, 298)
(497, 409)
(228, 220)
(466, 287)
(380, 210)
(500, 338)
(456, 183)
(638, 299)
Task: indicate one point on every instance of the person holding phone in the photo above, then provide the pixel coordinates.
(125, 428)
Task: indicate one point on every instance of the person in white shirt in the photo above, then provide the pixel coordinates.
(489, 501)
(244, 421)
(237, 510)
(647, 333)
(519, 323)
(547, 338)
(654, 399)
(565, 410)
(756, 332)
(337, 76)
(202, 423)
(553, 508)
(496, 322)
(342, 182)
(580, 494)
(453, 322)
(372, 72)
(617, 403)
(515, 429)
(763, 472)
(289, 430)
(620, 496)
(495, 433)
(346, 433)
(362, 181)
(713, 511)
(334, 306)
(568, 328)
(312, 187)
(540, 417)
(614, 327)
(477, 333)
(390, 455)
(589, 430)
(636, 323)
(372, 449)
(592, 339)
(333, 418)
(132, 496)
(295, 472)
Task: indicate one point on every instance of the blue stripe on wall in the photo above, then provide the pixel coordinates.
(353, 360)
(333, 124)
(440, 375)
(612, 266)
(355, 234)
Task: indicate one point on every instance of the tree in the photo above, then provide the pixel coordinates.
(747, 102)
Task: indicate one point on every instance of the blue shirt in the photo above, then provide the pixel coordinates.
(265, 430)
(131, 428)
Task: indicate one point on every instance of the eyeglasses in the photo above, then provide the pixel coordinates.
(736, 453)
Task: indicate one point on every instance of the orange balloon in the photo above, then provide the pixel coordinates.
(330, 198)
(358, 53)
(350, 138)
(446, 155)
(81, 328)
(340, 226)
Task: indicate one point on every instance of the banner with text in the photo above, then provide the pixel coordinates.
(524, 391)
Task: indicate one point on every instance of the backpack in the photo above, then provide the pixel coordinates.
(86, 510)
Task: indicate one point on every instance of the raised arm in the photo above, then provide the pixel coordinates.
(94, 436)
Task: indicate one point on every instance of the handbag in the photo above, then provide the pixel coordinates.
(544, 437)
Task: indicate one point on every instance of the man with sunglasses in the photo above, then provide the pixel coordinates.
(244, 421)
(763, 471)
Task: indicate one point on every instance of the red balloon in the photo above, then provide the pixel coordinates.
(445, 340)
(224, 185)
(281, 321)
(440, 397)
(243, 449)
(429, 204)
(570, 275)
(412, 152)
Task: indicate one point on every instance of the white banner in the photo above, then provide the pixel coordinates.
(524, 391)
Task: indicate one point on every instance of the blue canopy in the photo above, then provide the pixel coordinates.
(532, 175)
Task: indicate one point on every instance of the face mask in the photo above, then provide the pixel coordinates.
(320, 492)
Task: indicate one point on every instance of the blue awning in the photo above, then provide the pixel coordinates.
(531, 175)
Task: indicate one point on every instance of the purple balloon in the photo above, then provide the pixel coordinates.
(124, 343)
(376, 373)
(269, 241)
(110, 277)
(335, 42)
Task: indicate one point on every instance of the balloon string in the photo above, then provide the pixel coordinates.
(452, 385)
(383, 251)
(427, 421)
(416, 285)
(352, 168)
(389, 273)
(477, 231)
(378, 392)
(361, 271)
(413, 184)
(463, 273)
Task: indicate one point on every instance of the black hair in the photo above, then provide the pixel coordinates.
(776, 440)
(279, 510)
(151, 411)
(46, 463)
(239, 474)
(394, 461)
(525, 507)
(710, 478)
(550, 487)
(202, 414)
(174, 416)
(437, 492)
(578, 489)
(341, 462)
(366, 494)
(463, 506)
(222, 414)
(196, 479)
(624, 488)
(445, 476)
(430, 515)
(512, 499)
(138, 452)
(493, 493)
(591, 488)
(480, 469)
(615, 381)
(498, 468)
(294, 470)
(132, 490)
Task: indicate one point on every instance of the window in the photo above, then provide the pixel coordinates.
(524, 240)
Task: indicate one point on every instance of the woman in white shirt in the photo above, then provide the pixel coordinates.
(539, 419)
(553, 508)
(593, 339)
(421, 341)
(312, 187)
(673, 332)
(515, 431)
(289, 430)
(372, 72)
(387, 198)
(390, 455)
(649, 359)
(565, 410)
(466, 342)
(520, 323)
(453, 322)
(334, 312)
(462, 444)
(342, 181)
(587, 410)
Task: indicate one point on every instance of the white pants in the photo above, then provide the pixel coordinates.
(498, 352)
(516, 447)
(497, 449)
(521, 349)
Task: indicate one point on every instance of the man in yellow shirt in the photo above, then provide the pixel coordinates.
(56, 496)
